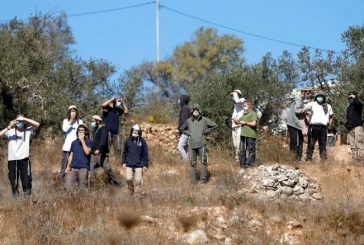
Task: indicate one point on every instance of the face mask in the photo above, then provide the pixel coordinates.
(135, 133)
(195, 113)
(73, 114)
(351, 100)
(320, 99)
(20, 125)
(118, 104)
(93, 125)
(246, 108)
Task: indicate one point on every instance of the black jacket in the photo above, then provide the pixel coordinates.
(101, 140)
(185, 111)
(135, 153)
(354, 115)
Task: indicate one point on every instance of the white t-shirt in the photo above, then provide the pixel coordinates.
(18, 147)
(318, 115)
(238, 109)
(70, 130)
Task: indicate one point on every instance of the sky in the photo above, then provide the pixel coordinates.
(127, 37)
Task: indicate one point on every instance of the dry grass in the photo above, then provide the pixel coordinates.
(106, 214)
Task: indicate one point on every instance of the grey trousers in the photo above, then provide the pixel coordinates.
(137, 173)
(102, 160)
(77, 177)
(183, 146)
(115, 142)
(64, 161)
(203, 156)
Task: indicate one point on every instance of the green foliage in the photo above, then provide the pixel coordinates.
(207, 52)
(261, 84)
(40, 78)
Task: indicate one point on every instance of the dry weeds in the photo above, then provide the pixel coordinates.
(109, 215)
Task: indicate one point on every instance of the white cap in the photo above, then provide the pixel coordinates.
(136, 127)
(97, 117)
(72, 107)
(237, 91)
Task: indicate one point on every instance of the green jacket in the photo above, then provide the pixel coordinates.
(197, 128)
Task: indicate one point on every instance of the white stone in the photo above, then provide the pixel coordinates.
(197, 237)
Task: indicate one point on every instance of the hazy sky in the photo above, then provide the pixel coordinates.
(127, 37)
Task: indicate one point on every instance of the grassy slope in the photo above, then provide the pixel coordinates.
(104, 214)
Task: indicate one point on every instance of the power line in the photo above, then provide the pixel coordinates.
(100, 11)
(242, 31)
(111, 10)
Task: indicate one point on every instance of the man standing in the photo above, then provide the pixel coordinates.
(18, 134)
(113, 109)
(100, 150)
(354, 123)
(237, 113)
(184, 114)
(295, 126)
(135, 159)
(196, 127)
(79, 159)
(321, 118)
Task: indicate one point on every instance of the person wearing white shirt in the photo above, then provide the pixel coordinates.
(321, 118)
(18, 134)
(69, 127)
(237, 113)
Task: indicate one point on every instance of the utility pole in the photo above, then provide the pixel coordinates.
(157, 27)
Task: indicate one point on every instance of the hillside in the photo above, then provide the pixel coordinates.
(226, 210)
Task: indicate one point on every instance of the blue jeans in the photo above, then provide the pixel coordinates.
(247, 143)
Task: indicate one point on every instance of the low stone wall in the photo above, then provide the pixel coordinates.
(163, 135)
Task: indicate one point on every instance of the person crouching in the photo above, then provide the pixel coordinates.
(135, 159)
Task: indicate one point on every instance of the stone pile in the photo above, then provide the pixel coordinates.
(162, 135)
(284, 182)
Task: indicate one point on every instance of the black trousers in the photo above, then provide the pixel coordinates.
(318, 133)
(247, 143)
(295, 141)
(22, 169)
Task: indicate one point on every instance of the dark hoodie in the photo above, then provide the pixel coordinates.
(185, 111)
(198, 127)
(135, 154)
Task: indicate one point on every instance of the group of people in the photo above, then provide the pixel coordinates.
(313, 117)
(192, 127)
(81, 155)
(307, 115)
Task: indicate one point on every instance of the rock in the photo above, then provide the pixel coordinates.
(294, 224)
(288, 182)
(170, 173)
(272, 194)
(269, 183)
(148, 219)
(298, 190)
(317, 196)
(228, 241)
(197, 237)
(254, 225)
(288, 191)
(302, 182)
(289, 239)
(304, 197)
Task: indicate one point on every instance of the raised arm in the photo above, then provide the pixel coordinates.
(34, 124)
(106, 103)
(3, 132)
